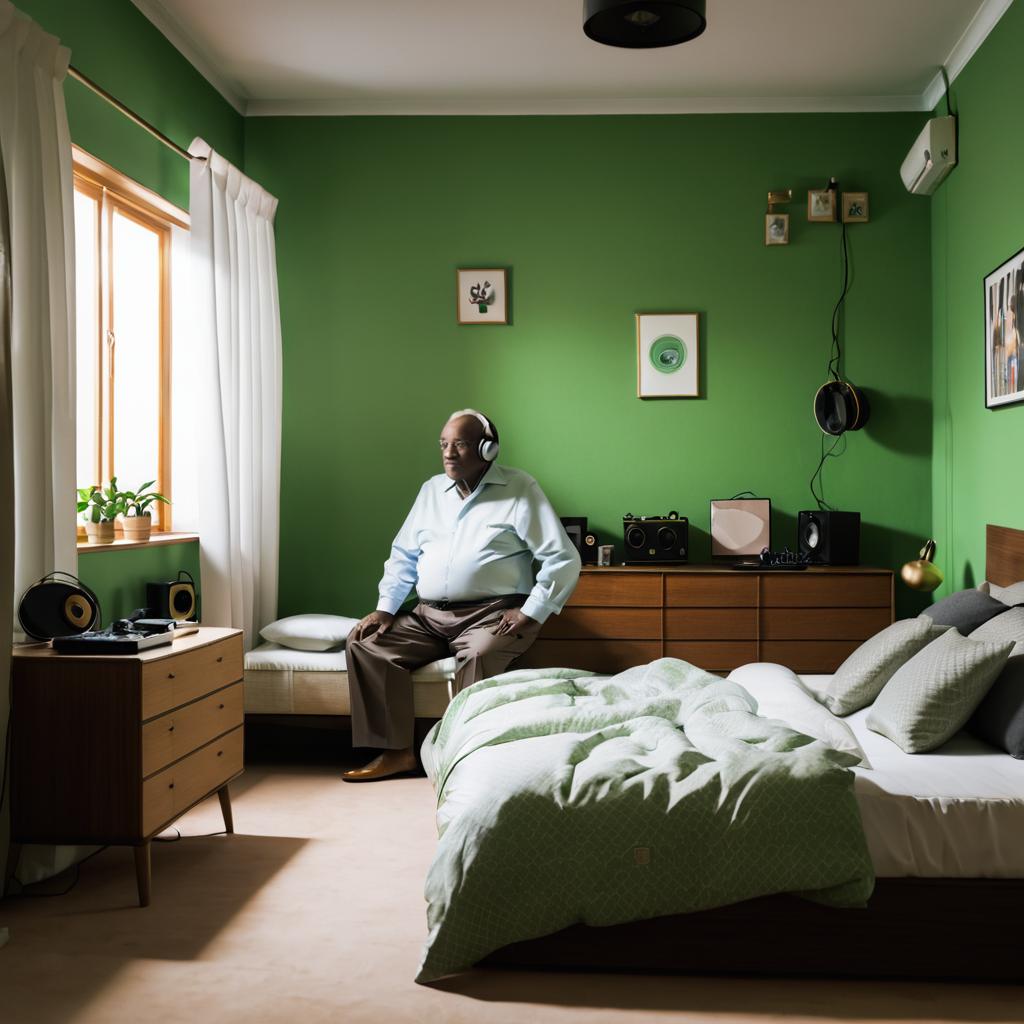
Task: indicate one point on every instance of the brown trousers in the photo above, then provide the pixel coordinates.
(380, 667)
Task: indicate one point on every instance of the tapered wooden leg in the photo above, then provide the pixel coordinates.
(13, 856)
(225, 809)
(143, 873)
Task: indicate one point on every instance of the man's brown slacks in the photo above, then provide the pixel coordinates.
(380, 667)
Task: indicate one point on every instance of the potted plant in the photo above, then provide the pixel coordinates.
(99, 509)
(136, 521)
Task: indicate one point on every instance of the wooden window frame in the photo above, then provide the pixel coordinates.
(116, 192)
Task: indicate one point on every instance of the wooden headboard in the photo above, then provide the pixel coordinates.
(1004, 555)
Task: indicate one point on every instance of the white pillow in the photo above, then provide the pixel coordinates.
(781, 695)
(309, 632)
(1011, 595)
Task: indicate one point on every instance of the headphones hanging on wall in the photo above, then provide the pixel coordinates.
(488, 447)
(840, 406)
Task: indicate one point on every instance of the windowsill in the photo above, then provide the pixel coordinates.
(157, 539)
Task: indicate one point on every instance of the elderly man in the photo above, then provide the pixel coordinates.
(468, 547)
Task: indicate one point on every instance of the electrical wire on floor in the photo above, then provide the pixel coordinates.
(177, 837)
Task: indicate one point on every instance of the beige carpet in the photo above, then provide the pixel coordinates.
(314, 912)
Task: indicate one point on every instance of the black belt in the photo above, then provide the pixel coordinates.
(445, 606)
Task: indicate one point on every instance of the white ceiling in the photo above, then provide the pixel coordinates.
(531, 56)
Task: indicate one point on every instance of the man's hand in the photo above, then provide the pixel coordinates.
(375, 622)
(511, 621)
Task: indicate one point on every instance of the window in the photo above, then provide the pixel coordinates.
(123, 267)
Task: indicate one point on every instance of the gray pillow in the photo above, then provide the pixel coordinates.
(999, 719)
(934, 694)
(966, 610)
(859, 680)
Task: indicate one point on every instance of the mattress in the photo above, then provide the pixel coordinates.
(957, 812)
(281, 681)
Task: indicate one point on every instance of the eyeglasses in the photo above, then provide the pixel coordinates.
(459, 446)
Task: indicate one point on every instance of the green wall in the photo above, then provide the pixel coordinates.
(597, 217)
(117, 47)
(977, 223)
(119, 576)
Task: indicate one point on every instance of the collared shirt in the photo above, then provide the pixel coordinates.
(483, 546)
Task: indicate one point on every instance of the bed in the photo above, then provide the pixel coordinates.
(945, 833)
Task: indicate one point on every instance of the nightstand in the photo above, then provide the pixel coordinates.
(111, 749)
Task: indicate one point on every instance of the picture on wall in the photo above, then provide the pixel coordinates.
(481, 296)
(776, 229)
(855, 207)
(1004, 307)
(667, 355)
(821, 204)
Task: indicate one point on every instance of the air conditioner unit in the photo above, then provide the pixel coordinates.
(931, 157)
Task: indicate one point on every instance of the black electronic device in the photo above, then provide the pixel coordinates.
(829, 537)
(119, 639)
(784, 561)
(58, 605)
(177, 599)
(840, 406)
(656, 540)
(583, 540)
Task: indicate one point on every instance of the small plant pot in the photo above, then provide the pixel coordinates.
(137, 528)
(100, 533)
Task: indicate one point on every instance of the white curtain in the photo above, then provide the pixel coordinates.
(37, 452)
(238, 336)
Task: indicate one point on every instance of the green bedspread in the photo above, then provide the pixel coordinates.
(565, 797)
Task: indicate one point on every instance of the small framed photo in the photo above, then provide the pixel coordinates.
(776, 229)
(821, 204)
(855, 207)
(481, 295)
(1004, 310)
(667, 355)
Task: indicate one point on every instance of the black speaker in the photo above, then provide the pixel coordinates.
(655, 540)
(58, 605)
(174, 600)
(583, 540)
(829, 538)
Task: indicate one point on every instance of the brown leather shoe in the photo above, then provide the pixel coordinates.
(388, 764)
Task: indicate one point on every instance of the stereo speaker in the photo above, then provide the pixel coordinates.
(174, 600)
(827, 537)
(656, 540)
(583, 540)
(58, 605)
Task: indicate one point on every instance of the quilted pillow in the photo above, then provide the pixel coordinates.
(859, 680)
(309, 632)
(966, 610)
(934, 694)
(1013, 594)
(999, 719)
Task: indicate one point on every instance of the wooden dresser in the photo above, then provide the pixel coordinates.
(110, 749)
(715, 617)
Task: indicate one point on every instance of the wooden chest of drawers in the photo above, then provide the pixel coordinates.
(111, 749)
(717, 618)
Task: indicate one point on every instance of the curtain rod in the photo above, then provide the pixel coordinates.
(130, 114)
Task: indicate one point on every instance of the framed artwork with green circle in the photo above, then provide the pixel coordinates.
(667, 355)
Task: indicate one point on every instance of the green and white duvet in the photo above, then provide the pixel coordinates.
(565, 797)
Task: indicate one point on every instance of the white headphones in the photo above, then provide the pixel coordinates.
(489, 443)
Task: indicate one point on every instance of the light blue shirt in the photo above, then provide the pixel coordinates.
(470, 549)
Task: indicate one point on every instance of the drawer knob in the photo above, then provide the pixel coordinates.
(170, 675)
(171, 786)
(221, 658)
(220, 707)
(219, 753)
(170, 728)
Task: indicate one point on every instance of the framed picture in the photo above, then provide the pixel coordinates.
(776, 229)
(855, 207)
(821, 204)
(481, 295)
(1004, 308)
(667, 355)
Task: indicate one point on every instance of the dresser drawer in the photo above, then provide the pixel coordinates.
(713, 655)
(711, 624)
(172, 736)
(172, 791)
(170, 682)
(606, 623)
(714, 590)
(839, 590)
(604, 656)
(623, 589)
(811, 656)
(823, 623)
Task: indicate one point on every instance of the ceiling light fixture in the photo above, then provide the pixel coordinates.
(641, 25)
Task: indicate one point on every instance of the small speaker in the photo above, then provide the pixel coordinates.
(174, 600)
(583, 540)
(58, 605)
(827, 537)
(656, 540)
